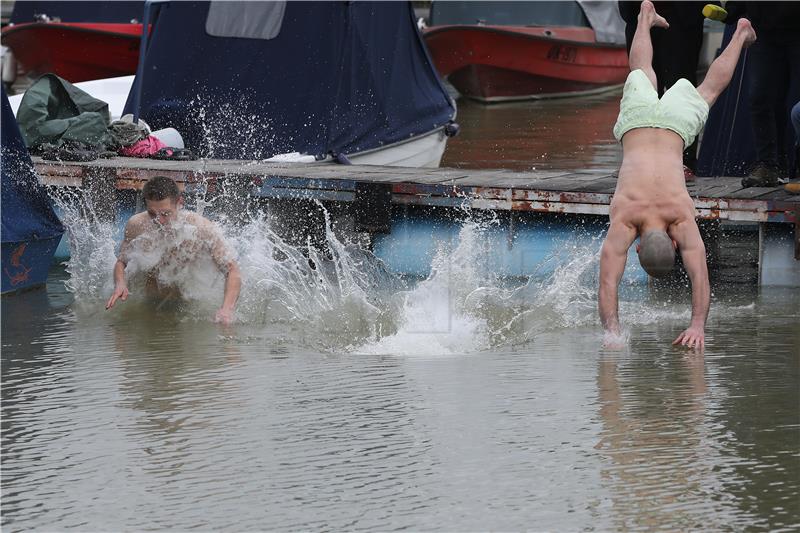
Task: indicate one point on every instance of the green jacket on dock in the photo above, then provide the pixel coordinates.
(53, 111)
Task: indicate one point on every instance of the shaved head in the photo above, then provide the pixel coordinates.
(656, 253)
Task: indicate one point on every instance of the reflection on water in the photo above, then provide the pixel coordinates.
(348, 398)
(562, 134)
(152, 420)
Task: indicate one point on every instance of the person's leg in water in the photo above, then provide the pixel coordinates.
(641, 55)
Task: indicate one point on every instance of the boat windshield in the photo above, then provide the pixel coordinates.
(508, 13)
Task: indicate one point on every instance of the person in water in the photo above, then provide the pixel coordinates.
(651, 201)
(183, 236)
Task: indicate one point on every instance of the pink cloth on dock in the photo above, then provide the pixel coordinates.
(144, 148)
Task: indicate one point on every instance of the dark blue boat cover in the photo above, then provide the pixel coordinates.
(27, 213)
(80, 11)
(340, 77)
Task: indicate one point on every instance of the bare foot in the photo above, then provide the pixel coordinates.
(746, 31)
(647, 13)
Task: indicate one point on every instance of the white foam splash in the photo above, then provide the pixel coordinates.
(343, 299)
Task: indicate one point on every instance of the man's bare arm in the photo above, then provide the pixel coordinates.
(613, 256)
(223, 258)
(233, 284)
(132, 230)
(693, 253)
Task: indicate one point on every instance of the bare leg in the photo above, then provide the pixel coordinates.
(721, 70)
(641, 56)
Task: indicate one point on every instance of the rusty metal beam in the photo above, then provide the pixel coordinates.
(408, 186)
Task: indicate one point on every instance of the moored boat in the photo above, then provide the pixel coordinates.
(78, 41)
(329, 80)
(502, 51)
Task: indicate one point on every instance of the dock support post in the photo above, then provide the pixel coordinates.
(797, 234)
(711, 233)
(372, 208)
(99, 185)
(299, 222)
(232, 197)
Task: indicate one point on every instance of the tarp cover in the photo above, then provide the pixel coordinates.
(81, 11)
(605, 20)
(254, 20)
(601, 15)
(509, 13)
(340, 77)
(26, 210)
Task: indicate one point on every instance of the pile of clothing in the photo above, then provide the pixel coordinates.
(58, 121)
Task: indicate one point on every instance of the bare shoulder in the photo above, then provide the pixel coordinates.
(198, 220)
(685, 232)
(137, 225)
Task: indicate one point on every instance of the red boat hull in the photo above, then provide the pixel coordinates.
(500, 63)
(75, 51)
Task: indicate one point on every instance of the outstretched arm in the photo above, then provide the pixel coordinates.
(222, 256)
(120, 285)
(613, 256)
(233, 284)
(693, 252)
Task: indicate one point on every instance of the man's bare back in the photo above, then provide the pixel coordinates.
(651, 185)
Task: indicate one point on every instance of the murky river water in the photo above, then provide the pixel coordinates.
(356, 400)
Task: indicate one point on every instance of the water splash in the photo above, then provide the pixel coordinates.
(340, 297)
(92, 244)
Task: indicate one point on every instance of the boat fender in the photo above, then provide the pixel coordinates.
(9, 67)
(714, 12)
(452, 129)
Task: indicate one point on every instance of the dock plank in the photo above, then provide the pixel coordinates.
(581, 191)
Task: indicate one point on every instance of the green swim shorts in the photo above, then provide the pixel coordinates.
(681, 109)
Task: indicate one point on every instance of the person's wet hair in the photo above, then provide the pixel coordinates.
(656, 253)
(159, 188)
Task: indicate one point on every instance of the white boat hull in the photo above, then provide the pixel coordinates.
(422, 151)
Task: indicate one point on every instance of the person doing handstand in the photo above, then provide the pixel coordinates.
(177, 238)
(651, 200)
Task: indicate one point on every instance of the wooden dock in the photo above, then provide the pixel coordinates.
(553, 191)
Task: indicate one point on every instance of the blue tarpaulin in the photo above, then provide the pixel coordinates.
(341, 77)
(27, 213)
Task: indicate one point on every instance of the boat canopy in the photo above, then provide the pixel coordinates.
(27, 213)
(600, 15)
(249, 80)
(79, 11)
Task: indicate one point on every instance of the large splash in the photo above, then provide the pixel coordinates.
(340, 297)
